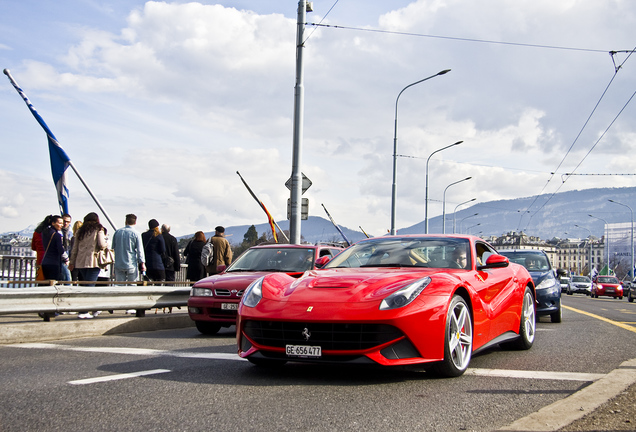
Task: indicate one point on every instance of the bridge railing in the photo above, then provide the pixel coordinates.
(20, 293)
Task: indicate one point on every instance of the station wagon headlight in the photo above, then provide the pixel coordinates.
(406, 295)
(201, 292)
(253, 293)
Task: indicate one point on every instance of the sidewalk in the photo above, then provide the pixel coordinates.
(31, 328)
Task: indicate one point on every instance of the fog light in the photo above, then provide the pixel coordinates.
(194, 310)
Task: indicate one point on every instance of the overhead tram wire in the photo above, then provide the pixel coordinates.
(616, 69)
(527, 45)
(323, 18)
(611, 52)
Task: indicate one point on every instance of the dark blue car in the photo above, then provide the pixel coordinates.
(547, 286)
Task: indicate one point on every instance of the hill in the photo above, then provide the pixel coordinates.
(546, 216)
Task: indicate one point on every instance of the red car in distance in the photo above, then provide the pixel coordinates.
(607, 286)
(214, 301)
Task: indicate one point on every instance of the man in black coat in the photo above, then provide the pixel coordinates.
(172, 251)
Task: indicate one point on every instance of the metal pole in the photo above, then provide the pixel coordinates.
(90, 192)
(590, 242)
(299, 92)
(606, 229)
(394, 185)
(455, 211)
(426, 201)
(631, 252)
(444, 204)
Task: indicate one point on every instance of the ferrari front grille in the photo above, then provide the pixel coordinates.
(329, 336)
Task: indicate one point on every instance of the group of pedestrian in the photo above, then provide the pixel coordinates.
(207, 257)
(63, 254)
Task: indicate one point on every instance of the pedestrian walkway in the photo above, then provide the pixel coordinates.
(20, 328)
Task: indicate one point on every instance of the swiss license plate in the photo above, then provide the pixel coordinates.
(229, 306)
(303, 351)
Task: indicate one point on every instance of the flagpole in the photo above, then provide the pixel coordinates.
(60, 153)
(337, 227)
(271, 220)
(79, 176)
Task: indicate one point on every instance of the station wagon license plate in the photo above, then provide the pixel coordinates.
(307, 351)
(229, 306)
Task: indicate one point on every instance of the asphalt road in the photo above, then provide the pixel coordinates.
(181, 380)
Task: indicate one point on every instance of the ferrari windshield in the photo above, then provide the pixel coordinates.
(405, 252)
(275, 260)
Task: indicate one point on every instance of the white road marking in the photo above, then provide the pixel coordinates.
(133, 351)
(557, 376)
(500, 373)
(118, 377)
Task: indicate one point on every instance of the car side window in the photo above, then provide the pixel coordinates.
(483, 251)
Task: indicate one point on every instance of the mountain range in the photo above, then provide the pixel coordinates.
(545, 216)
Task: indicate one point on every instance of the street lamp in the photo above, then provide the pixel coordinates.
(606, 229)
(444, 204)
(462, 221)
(426, 186)
(455, 211)
(590, 242)
(394, 185)
(631, 252)
(472, 226)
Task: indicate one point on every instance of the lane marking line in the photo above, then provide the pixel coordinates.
(565, 411)
(557, 376)
(501, 373)
(118, 377)
(132, 351)
(607, 320)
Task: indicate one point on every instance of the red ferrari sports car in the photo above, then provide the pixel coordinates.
(214, 300)
(394, 300)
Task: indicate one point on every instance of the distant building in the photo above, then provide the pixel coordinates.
(520, 240)
(16, 245)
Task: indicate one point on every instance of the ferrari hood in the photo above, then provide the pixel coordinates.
(341, 285)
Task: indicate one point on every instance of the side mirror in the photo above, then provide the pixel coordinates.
(221, 268)
(320, 262)
(495, 261)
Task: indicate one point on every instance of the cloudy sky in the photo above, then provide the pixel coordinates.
(158, 104)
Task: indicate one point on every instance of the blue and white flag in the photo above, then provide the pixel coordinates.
(59, 159)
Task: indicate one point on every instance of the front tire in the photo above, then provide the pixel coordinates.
(207, 328)
(528, 324)
(557, 317)
(458, 339)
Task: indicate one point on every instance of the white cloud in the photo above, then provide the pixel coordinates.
(160, 112)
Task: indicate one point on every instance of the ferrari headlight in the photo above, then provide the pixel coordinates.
(405, 295)
(201, 292)
(253, 293)
(547, 283)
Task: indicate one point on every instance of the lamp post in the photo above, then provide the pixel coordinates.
(426, 186)
(394, 185)
(462, 221)
(455, 211)
(444, 203)
(590, 242)
(631, 252)
(472, 226)
(606, 229)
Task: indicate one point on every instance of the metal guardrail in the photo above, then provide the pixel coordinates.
(48, 300)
